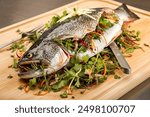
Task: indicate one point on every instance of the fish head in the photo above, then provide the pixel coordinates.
(46, 57)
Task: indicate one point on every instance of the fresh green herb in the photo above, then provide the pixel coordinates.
(46, 80)
(15, 62)
(35, 36)
(131, 34)
(17, 46)
(59, 85)
(85, 58)
(129, 50)
(64, 94)
(65, 13)
(32, 82)
(82, 49)
(55, 19)
(117, 77)
(74, 60)
(101, 80)
(105, 23)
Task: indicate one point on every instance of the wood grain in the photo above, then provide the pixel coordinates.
(110, 89)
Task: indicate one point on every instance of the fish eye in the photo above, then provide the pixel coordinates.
(30, 55)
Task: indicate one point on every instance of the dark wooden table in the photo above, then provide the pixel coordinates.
(12, 11)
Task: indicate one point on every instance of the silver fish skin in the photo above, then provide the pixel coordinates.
(47, 51)
(124, 15)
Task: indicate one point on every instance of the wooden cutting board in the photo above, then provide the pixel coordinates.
(110, 89)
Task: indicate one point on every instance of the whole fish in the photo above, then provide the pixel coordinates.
(46, 51)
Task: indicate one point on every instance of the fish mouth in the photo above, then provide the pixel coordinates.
(32, 68)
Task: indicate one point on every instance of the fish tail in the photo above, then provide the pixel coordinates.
(131, 16)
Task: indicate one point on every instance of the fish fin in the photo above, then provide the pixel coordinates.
(132, 16)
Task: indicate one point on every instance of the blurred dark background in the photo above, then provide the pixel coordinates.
(13, 11)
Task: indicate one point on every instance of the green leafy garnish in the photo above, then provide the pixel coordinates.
(64, 94)
(55, 20)
(60, 84)
(85, 58)
(117, 77)
(105, 23)
(17, 46)
(15, 62)
(32, 82)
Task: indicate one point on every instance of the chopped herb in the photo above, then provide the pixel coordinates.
(15, 62)
(85, 58)
(18, 31)
(60, 84)
(105, 23)
(32, 82)
(65, 13)
(146, 45)
(17, 46)
(102, 79)
(20, 87)
(10, 76)
(64, 94)
(55, 19)
(129, 50)
(117, 77)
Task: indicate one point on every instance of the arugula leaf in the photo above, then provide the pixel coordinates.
(34, 36)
